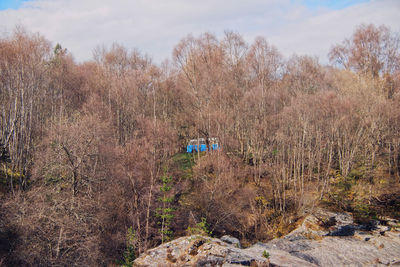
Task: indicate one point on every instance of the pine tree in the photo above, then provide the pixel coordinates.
(165, 212)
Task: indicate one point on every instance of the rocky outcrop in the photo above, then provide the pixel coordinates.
(332, 239)
(200, 251)
(323, 239)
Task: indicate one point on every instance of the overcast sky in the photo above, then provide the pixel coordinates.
(156, 26)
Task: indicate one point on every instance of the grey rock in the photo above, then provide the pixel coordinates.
(279, 257)
(345, 230)
(200, 251)
(341, 244)
(231, 240)
(323, 239)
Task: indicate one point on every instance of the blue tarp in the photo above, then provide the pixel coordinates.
(203, 147)
(189, 149)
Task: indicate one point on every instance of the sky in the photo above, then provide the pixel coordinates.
(154, 27)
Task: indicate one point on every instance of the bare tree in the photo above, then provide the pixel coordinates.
(371, 50)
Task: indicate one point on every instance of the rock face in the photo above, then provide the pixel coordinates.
(200, 251)
(323, 239)
(332, 239)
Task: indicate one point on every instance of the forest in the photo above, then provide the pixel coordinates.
(93, 162)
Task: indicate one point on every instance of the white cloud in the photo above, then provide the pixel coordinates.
(155, 26)
(315, 35)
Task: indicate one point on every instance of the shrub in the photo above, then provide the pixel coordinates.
(201, 228)
(265, 254)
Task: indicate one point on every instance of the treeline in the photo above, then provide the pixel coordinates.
(93, 169)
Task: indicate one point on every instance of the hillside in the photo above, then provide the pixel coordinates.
(94, 163)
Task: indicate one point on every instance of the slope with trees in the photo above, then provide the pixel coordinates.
(92, 152)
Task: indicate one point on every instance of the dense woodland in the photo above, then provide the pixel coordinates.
(93, 162)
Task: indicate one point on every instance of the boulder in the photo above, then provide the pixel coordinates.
(231, 240)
